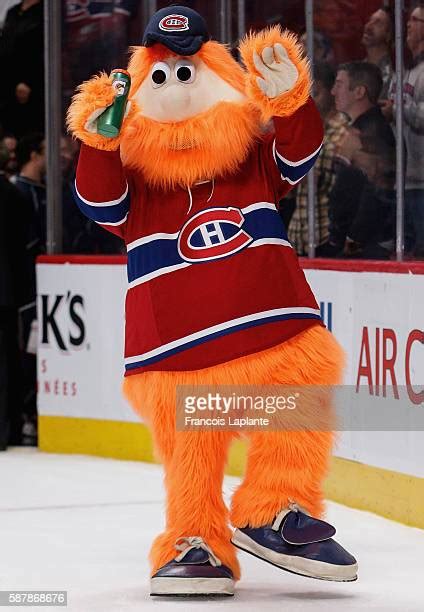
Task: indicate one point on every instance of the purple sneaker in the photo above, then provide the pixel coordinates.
(300, 544)
(195, 571)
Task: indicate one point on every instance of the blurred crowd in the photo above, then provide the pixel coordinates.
(23, 197)
(354, 177)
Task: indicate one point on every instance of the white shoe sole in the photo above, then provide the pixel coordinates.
(296, 565)
(191, 586)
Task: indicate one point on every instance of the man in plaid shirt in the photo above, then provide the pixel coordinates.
(335, 124)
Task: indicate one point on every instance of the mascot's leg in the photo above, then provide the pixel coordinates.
(291, 465)
(274, 507)
(194, 555)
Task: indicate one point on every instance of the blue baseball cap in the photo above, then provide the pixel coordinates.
(179, 28)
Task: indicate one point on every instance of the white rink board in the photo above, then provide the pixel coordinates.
(91, 373)
(84, 379)
(385, 301)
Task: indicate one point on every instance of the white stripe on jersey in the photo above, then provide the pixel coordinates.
(150, 238)
(220, 327)
(109, 203)
(164, 236)
(115, 224)
(294, 163)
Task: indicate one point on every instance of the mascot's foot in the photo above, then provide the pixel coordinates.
(299, 544)
(195, 571)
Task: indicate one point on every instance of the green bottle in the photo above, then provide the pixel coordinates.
(110, 121)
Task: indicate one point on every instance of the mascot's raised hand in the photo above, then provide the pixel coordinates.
(90, 101)
(279, 74)
(278, 78)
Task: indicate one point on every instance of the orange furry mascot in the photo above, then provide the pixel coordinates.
(216, 295)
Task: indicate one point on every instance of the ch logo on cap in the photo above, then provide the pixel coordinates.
(174, 23)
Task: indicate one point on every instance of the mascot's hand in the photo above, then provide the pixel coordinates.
(279, 74)
(91, 99)
(278, 78)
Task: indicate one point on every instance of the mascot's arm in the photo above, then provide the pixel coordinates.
(278, 81)
(101, 189)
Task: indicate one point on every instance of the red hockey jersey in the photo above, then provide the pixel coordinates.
(212, 276)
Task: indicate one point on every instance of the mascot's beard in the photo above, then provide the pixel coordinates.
(206, 146)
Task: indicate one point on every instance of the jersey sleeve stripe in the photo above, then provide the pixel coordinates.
(293, 172)
(107, 213)
(101, 204)
(295, 163)
(114, 224)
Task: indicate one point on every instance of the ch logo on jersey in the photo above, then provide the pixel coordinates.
(174, 23)
(212, 234)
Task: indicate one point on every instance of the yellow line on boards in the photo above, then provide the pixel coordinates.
(103, 438)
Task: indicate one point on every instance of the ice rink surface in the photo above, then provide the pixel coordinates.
(85, 524)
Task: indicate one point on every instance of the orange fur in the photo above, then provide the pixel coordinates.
(194, 477)
(281, 465)
(288, 102)
(211, 144)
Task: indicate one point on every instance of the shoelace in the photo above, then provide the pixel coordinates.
(187, 544)
(292, 507)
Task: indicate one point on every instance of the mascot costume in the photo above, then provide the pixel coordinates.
(216, 295)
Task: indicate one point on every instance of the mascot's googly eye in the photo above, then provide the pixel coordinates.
(185, 71)
(160, 74)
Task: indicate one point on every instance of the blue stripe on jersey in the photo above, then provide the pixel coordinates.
(114, 213)
(163, 253)
(294, 171)
(218, 334)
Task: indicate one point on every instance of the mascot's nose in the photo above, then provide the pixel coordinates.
(175, 102)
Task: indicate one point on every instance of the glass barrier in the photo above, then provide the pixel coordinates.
(290, 15)
(355, 87)
(354, 177)
(413, 128)
(96, 37)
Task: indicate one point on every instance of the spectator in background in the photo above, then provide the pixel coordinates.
(10, 142)
(31, 160)
(13, 287)
(362, 199)
(31, 163)
(343, 22)
(22, 56)
(413, 99)
(335, 123)
(377, 40)
(356, 93)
